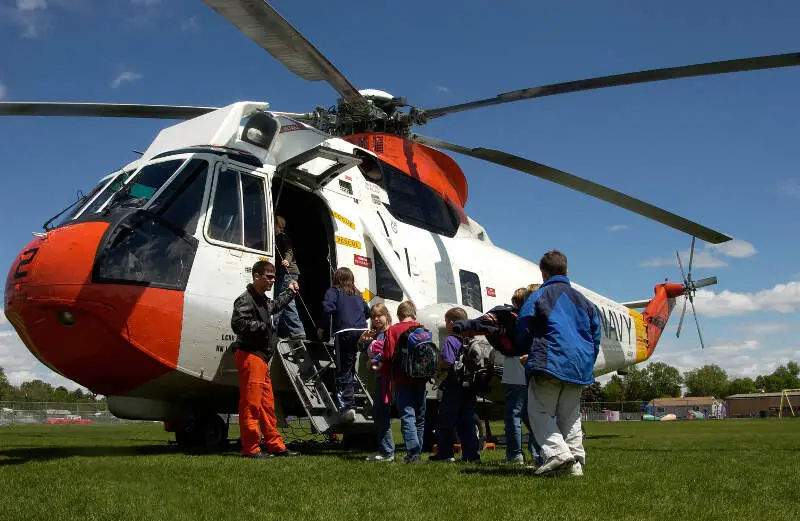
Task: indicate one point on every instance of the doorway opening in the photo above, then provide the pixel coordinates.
(308, 225)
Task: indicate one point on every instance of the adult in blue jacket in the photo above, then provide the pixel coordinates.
(562, 328)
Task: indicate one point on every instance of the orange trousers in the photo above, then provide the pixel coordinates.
(256, 405)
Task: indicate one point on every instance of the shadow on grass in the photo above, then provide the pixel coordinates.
(497, 470)
(605, 436)
(25, 455)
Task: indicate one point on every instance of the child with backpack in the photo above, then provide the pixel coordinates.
(373, 341)
(411, 392)
(346, 308)
(458, 402)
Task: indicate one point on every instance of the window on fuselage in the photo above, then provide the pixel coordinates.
(110, 189)
(145, 183)
(385, 284)
(470, 289)
(413, 202)
(181, 202)
(239, 212)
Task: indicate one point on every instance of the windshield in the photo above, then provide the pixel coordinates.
(144, 184)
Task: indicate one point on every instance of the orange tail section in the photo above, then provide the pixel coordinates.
(657, 313)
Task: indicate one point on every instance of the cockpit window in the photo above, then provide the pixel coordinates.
(109, 188)
(145, 183)
(413, 202)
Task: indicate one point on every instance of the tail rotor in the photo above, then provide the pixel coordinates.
(690, 287)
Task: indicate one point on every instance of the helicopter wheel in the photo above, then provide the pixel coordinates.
(203, 432)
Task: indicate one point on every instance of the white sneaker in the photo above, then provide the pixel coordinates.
(556, 463)
(349, 415)
(381, 457)
(519, 459)
(575, 470)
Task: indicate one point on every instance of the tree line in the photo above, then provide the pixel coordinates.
(660, 380)
(40, 391)
(655, 380)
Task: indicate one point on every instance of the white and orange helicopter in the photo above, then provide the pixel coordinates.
(159, 249)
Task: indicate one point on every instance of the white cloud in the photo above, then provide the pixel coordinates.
(2, 90)
(619, 228)
(20, 365)
(31, 5)
(3, 320)
(767, 328)
(189, 24)
(736, 248)
(708, 257)
(441, 89)
(783, 298)
(702, 259)
(125, 76)
(746, 358)
(790, 187)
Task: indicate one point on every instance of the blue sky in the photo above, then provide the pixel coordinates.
(720, 150)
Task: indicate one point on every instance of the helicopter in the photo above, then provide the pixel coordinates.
(159, 249)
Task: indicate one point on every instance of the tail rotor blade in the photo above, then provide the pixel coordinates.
(708, 281)
(680, 322)
(680, 264)
(697, 322)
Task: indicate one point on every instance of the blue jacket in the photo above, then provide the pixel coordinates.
(347, 311)
(562, 328)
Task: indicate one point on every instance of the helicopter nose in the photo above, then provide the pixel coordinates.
(110, 338)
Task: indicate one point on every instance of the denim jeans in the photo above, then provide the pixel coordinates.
(287, 321)
(411, 405)
(515, 399)
(383, 426)
(346, 352)
(457, 414)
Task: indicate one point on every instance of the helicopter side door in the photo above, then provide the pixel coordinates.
(237, 233)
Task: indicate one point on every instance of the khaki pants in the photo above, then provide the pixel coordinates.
(549, 397)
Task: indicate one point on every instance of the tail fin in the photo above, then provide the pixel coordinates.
(657, 313)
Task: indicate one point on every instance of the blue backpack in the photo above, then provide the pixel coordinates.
(419, 354)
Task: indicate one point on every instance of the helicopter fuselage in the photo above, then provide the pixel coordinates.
(131, 294)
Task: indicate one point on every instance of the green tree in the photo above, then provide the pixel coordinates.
(709, 380)
(637, 385)
(594, 393)
(784, 377)
(614, 389)
(36, 391)
(5, 387)
(664, 380)
(741, 386)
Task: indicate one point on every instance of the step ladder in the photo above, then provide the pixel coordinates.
(311, 369)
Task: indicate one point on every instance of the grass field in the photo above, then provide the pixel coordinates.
(716, 470)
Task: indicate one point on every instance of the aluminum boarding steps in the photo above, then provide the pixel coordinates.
(311, 370)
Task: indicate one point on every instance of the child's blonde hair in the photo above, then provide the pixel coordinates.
(406, 310)
(380, 309)
(456, 313)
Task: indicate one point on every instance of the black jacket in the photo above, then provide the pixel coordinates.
(252, 321)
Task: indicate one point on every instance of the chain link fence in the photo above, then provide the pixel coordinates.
(14, 413)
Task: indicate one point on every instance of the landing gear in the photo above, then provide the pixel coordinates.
(202, 432)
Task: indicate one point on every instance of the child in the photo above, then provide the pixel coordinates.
(344, 304)
(374, 340)
(457, 406)
(411, 394)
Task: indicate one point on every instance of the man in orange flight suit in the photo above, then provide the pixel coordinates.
(252, 323)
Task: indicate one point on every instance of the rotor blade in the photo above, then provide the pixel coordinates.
(262, 24)
(107, 110)
(581, 185)
(708, 281)
(616, 80)
(691, 256)
(680, 265)
(680, 322)
(699, 334)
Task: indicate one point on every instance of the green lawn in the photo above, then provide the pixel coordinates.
(720, 470)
